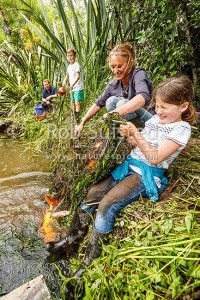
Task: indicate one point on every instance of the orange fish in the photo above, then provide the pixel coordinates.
(52, 201)
(92, 164)
(49, 228)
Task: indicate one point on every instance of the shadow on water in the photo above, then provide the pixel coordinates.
(24, 180)
(23, 257)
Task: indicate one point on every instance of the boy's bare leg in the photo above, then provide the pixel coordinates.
(77, 110)
(78, 106)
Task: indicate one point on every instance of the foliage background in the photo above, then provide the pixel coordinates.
(34, 36)
(165, 36)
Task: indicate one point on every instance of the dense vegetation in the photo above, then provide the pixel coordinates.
(35, 35)
(157, 257)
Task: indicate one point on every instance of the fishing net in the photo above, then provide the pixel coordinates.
(85, 160)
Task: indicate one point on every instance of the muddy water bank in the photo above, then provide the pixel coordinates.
(24, 181)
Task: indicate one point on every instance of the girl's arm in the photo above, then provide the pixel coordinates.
(154, 155)
(131, 141)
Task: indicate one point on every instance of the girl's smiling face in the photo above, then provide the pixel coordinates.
(118, 66)
(169, 113)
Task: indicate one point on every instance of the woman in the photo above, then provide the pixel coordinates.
(128, 93)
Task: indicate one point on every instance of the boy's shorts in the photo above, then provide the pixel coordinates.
(77, 96)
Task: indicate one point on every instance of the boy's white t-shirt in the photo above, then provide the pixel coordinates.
(155, 133)
(72, 69)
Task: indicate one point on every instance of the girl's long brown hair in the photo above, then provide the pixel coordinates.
(177, 90)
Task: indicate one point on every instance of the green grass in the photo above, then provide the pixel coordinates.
(154, 249)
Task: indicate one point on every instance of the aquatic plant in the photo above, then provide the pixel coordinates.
(87, 159)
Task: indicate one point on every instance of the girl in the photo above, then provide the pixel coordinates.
(162, 139)
(128, 92)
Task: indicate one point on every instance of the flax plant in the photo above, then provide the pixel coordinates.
(90, 40)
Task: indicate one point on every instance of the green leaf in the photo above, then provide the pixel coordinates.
(137, 243)
(87, 293)
(179, 228)
(172, 65)
(188, 221)
(122, 223)
(166, 226)
(150, 296)
(196, 273)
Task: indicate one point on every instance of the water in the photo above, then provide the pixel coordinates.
(24, 181)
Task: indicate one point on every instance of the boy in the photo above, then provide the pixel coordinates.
(76, 83)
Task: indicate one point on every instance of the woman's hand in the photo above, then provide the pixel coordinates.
(128, 129)
(79, 129)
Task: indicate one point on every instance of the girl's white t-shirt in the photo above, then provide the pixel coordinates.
(72, 69)
(155, 133)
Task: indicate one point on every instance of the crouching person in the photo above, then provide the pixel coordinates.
(142, 173)
(48, 94)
